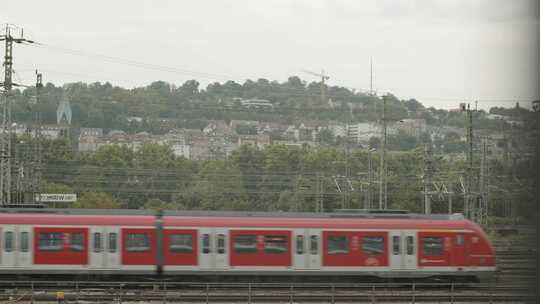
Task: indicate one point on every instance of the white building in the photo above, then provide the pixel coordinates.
(257, 104)
(412, 126)
(338, 130)
(52, 131)
(362, 132)
(88, 139)
(181, 150)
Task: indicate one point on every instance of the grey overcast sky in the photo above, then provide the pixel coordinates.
(435, 50)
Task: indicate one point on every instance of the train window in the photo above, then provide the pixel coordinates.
(433, 245)
(112, 241)
(181, 243)
(299, 244)
(8, 241)
(24, 241)
(396, 245)
(460, 239)
(51, 241)
(138, 242)
(97, 242)
(206, 243)
(338, 244)
(314, 244)
(220, 243)
(276, 244)
(245, 243)
(373, 245)
(77, 243)
(410, 245)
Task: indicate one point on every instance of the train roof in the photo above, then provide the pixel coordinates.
(345, 219)
(338, 213)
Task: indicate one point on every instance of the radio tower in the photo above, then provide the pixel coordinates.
(7, 130)
(371, 76)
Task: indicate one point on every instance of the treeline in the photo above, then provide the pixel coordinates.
(278, 178)
(103, 105)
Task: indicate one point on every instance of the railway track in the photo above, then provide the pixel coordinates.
(261, 292)
(515, 269)
(517, 264)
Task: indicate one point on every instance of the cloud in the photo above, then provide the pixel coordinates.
(462, 11)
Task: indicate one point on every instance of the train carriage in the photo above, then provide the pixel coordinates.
(382, 245)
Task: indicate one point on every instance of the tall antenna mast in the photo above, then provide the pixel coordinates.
(371, 75)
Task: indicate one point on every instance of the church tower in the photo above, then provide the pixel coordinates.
(63, 116)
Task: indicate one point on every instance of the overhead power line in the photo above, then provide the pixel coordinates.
(225, 77)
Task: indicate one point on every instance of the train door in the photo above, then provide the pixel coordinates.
(301, 255)
(396, 245)
(409, 249)
(403, 250)
(111, 250)
(24, 257)
(458, 249)
(314, 249)
(221, 248)
(96, 248)
(9, 252)
(206, 252)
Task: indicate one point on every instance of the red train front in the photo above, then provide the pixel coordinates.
(194, 243)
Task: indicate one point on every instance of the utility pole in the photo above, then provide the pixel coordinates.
(319, 193)
(7, 130)
(346, 194)
(484, 184)
(428, 171)
(450, 193)
(35, 179)
(507, 171)
(368, 199)
(382, 167)
(469, 204)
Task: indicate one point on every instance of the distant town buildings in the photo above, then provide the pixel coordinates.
(218, 138)
(88, 139)
(412, 127)
(261, 104)
(260, 141)
(360, 133)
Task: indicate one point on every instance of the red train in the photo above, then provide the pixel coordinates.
(200, 243)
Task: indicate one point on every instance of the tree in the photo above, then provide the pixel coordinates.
(96, 200)
(218, 186)
(401, 142)
(374, 142)
(190, 88)
(295, 82)
(111, 156)
(49, 187)
(413, 105)
(326, 136)
(246, 129)
(154, 156)
(157, 204)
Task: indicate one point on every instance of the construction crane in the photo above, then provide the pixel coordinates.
(324, 77)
